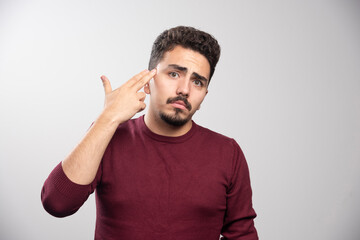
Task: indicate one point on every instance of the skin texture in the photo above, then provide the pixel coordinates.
(181, 72)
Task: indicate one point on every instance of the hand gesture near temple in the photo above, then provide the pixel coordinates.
(121, 104)
(124, 102)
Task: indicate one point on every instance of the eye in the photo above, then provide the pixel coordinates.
(174, 74)
(198, 83)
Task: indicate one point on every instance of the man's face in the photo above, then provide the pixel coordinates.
(179, 86)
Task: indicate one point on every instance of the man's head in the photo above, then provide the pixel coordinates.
(185, 59)
(187, 37)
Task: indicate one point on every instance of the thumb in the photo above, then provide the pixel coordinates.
(106, 84)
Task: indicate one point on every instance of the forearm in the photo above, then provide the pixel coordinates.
(121, 104)
(83, 162)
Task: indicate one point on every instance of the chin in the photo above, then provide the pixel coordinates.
(175, 119)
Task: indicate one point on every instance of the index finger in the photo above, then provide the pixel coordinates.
(136, 78)
(145, 79)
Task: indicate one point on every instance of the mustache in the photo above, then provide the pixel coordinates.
(180, 98)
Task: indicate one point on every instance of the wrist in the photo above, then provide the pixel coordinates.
(107, 119)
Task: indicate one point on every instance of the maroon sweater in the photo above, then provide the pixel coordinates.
(148, 186)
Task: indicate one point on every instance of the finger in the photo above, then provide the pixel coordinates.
(106, 84)
(145, 79)
(142, 106)
(141, 96)
(136, 78)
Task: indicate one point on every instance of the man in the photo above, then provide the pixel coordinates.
(160, 176)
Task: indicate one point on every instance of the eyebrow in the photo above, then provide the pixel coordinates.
(184, 69)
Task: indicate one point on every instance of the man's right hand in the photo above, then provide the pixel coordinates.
(121, 104)
(124, 102)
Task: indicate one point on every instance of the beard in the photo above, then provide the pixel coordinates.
(175, 119)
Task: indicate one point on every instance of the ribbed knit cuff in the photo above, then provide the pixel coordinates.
(66, 187)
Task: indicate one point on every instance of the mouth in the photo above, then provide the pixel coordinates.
(180, 103)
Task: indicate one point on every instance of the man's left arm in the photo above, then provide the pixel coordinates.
(239, 217)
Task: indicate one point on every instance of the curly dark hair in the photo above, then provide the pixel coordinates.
(187, 37)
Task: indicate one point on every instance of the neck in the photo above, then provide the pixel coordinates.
(158, 126)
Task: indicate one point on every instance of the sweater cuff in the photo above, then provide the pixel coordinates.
(65, 186)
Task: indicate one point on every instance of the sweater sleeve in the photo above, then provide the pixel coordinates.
(61, 197)
(239, 217)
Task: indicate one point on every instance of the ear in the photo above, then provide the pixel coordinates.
(147, 88)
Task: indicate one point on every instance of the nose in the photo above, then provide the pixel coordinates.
(183, 87)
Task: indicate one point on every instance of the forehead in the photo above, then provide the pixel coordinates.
(190, 59)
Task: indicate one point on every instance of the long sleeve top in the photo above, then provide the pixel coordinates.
(148, 186)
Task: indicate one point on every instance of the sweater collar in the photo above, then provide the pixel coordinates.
(142, 126)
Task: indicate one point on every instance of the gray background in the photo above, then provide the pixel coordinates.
(287, 88)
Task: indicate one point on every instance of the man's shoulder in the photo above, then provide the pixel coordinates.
(130, 127)
(129, 124)
(215, 136)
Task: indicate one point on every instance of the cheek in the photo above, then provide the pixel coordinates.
(163, 86)
(197, 100)
(157, 90)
